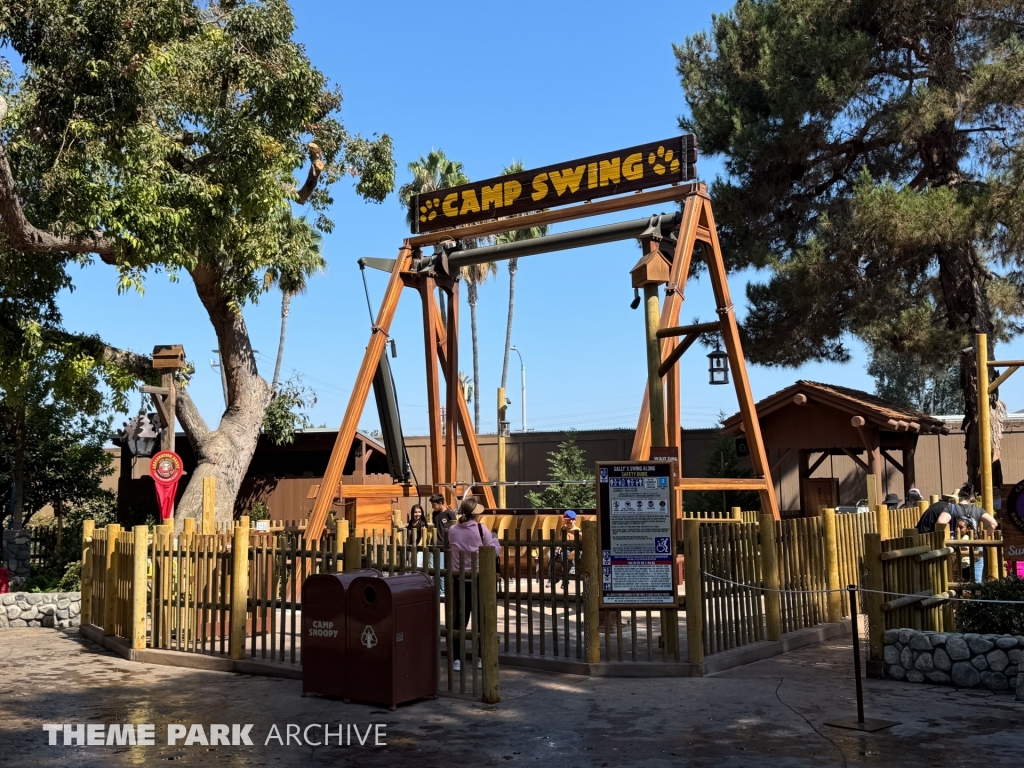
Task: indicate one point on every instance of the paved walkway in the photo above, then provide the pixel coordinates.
(770, 713)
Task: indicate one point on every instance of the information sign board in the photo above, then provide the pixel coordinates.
(636, 508)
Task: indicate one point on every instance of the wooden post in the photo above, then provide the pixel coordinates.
(140, 557)
(984, 424)
(340, 536)
(353, 553)
(110, 580)
(882, 521)
(488, 586)
(674, 291)
(592, 583)
(872, 479)
(209, 505)
(189, 525)
(694, 598)
(736, 513)
(940, 612)
(654, 385)
(502, 409)
(239, 589)
(88, 527)
(835, 604)
(453, 388)
(430, 339)
(991, 567)
(873, 600)
(770, 577)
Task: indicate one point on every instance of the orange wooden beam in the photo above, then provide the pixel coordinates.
(731, 338)
(357, 401)
(476, 461)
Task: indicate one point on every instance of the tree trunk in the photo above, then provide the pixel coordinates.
(224, 453)
(513, 267)
(471, 299)
(18, 489)
(964, 280)
(286, 302)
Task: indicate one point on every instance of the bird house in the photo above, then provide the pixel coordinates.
(169, 356)
(652, 269)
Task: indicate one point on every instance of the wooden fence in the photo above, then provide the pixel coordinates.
(909, 580)
(238, 593)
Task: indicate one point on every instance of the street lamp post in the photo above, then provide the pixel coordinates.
(522, 368)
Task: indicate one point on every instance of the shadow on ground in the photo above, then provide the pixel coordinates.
(770, 713)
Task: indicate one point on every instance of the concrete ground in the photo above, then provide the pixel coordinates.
(770, 713)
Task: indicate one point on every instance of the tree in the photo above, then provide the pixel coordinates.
(164, 136)
(51, 396)
(723, 462)
(566, 463)
(905, 381)
(467, 387)
(874, 161)
(287, 411)
(475, 275)
(57, 450)
(514, 236)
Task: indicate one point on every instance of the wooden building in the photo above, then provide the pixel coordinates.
(823, 440)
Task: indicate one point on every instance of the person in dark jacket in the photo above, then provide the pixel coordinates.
(442, 517)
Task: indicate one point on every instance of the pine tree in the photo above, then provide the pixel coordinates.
(875, 166)
(567, 462)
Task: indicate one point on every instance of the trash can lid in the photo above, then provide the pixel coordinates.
(330, 588)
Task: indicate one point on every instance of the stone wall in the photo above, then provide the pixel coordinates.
(40, 609)
(17, 548)
(964, 660)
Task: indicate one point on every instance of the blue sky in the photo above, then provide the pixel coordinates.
(540, 82)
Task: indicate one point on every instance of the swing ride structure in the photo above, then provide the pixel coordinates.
(446, 220)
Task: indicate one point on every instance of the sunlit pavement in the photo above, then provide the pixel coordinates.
(768, 713)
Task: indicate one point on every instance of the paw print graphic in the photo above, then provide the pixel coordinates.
(428, 211)
(663, 158)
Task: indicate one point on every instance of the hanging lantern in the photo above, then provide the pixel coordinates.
(718, 367)
(140, 435)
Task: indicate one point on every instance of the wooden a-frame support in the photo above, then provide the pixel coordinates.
(441, 351)
(698, 225)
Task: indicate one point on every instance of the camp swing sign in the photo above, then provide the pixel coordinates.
(635, 514)
(656, 164)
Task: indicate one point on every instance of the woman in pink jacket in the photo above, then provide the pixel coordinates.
(465, 538)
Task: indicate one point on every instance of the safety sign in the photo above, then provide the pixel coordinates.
(636, 513)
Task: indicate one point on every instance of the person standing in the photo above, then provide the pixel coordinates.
(417, 524)
(976, 518)
(442, 517)
(913, 497)
(467, 537)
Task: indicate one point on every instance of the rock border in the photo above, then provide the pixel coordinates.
(40, 609)
(964, 660)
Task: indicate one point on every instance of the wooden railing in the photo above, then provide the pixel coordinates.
(239, 593)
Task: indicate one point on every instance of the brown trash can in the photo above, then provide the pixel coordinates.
(325, 632)
(392, 642)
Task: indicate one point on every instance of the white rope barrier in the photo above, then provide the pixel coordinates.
(846, 590)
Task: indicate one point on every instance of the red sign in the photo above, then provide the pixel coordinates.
(165, 469)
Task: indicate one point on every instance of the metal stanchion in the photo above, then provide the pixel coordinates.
(858, 723)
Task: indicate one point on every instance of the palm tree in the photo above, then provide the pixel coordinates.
(467, 386)
(291, 281)
(430, 173)
(475, 275)
(514, 236)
